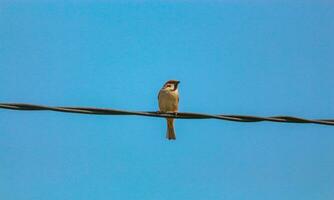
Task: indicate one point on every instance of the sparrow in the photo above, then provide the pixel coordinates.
(168, 98)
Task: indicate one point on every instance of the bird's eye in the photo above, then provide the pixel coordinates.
(167, 85)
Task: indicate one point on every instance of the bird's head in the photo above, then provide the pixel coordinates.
(171, 85)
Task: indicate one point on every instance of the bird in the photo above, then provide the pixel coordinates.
(168, 98)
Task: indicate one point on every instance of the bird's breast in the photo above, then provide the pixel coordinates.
(168, 101)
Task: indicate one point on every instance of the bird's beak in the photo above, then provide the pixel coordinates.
(177, 82)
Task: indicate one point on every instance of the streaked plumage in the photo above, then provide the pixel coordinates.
(169, 102)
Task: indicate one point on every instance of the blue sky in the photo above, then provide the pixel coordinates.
(273, 58)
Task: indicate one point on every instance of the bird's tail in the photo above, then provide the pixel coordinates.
(170, 129)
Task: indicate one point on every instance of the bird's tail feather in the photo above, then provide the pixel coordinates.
(170, 129)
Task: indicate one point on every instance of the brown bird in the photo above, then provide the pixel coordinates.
(169, 102)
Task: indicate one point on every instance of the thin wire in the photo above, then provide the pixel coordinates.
(179, 115)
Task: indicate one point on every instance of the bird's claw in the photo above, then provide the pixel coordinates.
(168, 113)
(172, 113)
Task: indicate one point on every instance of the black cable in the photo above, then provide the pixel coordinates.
(179, 115)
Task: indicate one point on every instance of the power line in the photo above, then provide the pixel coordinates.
(179, 115)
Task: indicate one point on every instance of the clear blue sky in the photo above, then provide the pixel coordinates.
(274, 58)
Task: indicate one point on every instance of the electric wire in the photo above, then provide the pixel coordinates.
(178, 115)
